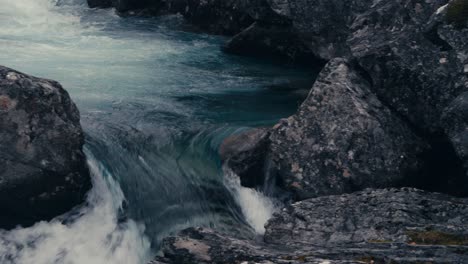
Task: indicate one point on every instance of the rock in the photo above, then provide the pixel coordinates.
(225, 17)
(388, 216)
(373, 226)
(99, 3)
(44, 171)
(342, 139)
(271, 41)
(412, 60)
(199, 245)
(245, 154)
(315, 28)
(408, 53)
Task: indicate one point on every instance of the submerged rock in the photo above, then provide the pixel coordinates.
(43, 168)
(373, 226)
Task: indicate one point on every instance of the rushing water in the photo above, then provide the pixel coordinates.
(155, 102)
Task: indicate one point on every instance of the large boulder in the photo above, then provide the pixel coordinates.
(373, 226)
(342, 139)
(44, 171)
(413, 58)
(387, 215)
(410, 59)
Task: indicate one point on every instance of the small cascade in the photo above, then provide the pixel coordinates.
(91, 234)
(255, 205)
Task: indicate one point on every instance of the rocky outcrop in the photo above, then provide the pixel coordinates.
(387, 215)
(342, 139)
(373, 226)
(414, 66)
(44, 172)
(392, 111)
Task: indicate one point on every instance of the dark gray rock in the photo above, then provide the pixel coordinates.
(318, 29)
(412, 68)
(225, 17)
(410, 60)
(387, 215)
(215, 16)
(264, 40)
(342, 139)
(373, 226)
(99, 3)
(44, 171)
(245, 154)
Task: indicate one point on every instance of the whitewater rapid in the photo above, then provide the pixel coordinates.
(91, 234)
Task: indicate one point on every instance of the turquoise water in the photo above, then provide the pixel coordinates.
(156, 101)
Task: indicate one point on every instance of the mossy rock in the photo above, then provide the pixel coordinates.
(457, 13)
(436, 238)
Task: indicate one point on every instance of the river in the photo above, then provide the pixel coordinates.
(156, 100)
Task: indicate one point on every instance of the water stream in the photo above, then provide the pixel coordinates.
(155, 101)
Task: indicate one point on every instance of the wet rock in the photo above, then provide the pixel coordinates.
(225, 17)
(410, 59)
(342, 139)
(44, 171)
(245, 154)
(199, 245)
(387, 215)
(268, 41)
(99, 3)
(373, 226)
(315, 28)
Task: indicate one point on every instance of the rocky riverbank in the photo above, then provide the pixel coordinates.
(387, 110)
(43, 168)
(372, 226)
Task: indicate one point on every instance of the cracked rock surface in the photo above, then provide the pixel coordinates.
(373, 226)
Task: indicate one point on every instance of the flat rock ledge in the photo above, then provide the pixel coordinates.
(372, 226)
(43, 168)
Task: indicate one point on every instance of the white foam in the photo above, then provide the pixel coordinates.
(94, 238)
(441, 9)
(256, 207)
